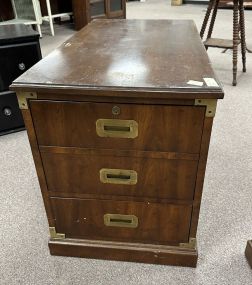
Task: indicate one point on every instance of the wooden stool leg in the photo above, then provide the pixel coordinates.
(208, 12)
(210, 31)
(235, 40)
(243, 37)
(213, 19)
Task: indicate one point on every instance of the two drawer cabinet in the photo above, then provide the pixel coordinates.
(19, 50)
(120, 140)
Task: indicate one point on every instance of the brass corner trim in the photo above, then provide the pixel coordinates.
(210, 104)
(55, 235)
(192, 244)
(22, 99)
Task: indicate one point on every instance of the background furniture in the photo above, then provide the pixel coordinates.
(229, 4)
(52, 16)
(57, 6)
(26, 12)
(238, 28)
(248, 252)
(120, 139)
(87, 10)
(6, 11)
(19, 50)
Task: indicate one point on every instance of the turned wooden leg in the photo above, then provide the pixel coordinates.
(213, 19)
(235, 40)
(215, 9)
(208, 12)
(243, 37)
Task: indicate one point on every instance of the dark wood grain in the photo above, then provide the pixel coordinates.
(146, 253)
(160, 128)
(118, 63)
(109, 53)
(201, 174)
(80, 173)
(158, 223)
(38, 164)
(248, 252)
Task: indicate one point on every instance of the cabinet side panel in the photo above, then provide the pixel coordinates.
(206, 135)
(38, 164)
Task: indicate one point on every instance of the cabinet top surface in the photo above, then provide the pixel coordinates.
(18, 32)
(145, 55)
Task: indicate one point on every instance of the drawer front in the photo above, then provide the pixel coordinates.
(15, 60)
(124, 126)
(122, 221)
(119, 175)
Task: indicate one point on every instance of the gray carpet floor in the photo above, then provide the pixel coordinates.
(226, 217)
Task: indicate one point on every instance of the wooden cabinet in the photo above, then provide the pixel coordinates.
(19, 50)
(120, 135)
(87, 10)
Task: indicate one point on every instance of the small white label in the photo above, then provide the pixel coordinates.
(193, 82)
(211, 82)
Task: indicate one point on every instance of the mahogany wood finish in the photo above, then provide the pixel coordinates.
(162, 224)
(76, 126)
(38, 164)
(135, 252)
(107, 60)
(89, 76)
(160, 178)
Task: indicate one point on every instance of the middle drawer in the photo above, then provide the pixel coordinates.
(103, 173)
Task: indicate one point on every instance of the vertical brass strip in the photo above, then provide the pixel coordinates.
(23, 97)
(210, 105)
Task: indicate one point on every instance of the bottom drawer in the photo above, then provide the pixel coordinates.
(122, 221)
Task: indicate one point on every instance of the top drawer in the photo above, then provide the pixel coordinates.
(15, 60)
(118, 126)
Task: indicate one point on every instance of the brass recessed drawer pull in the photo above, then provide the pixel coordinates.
(117, 220)
(118, 176)
(113, 128)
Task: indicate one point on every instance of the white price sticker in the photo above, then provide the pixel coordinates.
(211, 82)
(196, 83)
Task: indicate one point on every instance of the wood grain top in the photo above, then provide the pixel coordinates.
(139, 55)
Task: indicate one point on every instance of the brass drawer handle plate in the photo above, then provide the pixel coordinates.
(117, 220)
(118, 176)
(113, 128)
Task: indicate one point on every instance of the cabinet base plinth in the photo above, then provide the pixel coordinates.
(122, 251)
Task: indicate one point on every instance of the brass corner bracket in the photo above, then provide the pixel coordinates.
(22, 99)
(192, 244)
(55, 235)
(210, 104)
